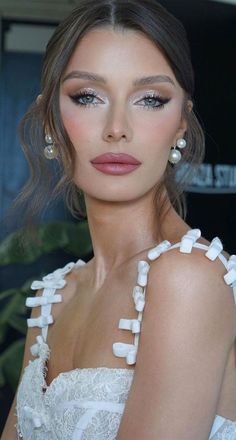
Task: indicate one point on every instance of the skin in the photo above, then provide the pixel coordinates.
(189, 358)
(120, 210)
(123, 226)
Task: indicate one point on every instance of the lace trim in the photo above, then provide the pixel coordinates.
(91, 410)
(226, 432)
(57, 413)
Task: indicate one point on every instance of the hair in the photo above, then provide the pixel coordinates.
(169, 36)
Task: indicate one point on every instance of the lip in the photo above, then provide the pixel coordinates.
(115, 158)
(115, 168)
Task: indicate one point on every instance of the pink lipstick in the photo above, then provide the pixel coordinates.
(115, 163)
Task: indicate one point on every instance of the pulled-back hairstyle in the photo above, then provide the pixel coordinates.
(169, 35)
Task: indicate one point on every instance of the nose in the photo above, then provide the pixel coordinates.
(117, 126)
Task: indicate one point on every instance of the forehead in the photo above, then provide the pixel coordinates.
(107, 51)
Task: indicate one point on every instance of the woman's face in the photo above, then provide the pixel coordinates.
(120, 113)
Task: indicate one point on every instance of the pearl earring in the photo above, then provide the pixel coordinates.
(50, 151)
(175, 155)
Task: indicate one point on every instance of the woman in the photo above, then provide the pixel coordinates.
(142, 341)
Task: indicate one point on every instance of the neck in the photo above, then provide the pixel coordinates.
(121, 230)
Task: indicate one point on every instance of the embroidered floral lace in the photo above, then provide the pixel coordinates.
(88, 403)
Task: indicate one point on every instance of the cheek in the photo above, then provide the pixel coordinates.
(77, 125)
(158, 133)
(74, 128)
(159, 129)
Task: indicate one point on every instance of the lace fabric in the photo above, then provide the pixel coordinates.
(226, 432)
(88, 403)
(82, 404)
(90, 410)
(98, 398)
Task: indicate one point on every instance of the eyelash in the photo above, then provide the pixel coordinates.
(158, 98)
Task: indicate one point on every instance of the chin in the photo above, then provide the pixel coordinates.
(111, 198)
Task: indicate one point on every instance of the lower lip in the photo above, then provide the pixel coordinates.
(115, 168)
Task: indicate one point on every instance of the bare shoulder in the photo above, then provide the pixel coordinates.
(67, 292)
(193, 282)
(65, 283)
(188, 331)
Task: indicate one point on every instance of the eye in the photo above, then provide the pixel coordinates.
(84, 98)
(154, 101)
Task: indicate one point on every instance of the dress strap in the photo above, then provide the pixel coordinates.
(50, 283)
(186, 245)
(129, 351)
(212, 252)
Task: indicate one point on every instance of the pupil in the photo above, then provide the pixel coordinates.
(89, 98)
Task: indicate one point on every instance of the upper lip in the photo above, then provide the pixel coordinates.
(116, 158)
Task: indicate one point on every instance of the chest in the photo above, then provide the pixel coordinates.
(88, 325)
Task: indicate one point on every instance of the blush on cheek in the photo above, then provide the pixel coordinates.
(162, 127)
(168, 129)
(75, 129)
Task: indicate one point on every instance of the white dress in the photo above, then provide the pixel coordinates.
(88, 403)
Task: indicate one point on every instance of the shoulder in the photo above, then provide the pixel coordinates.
(56, 288)
(53, 292)
(188, 331)
(56, 279)
(194, 280)
(191, 262)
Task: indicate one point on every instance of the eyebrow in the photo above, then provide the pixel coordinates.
(145, 80)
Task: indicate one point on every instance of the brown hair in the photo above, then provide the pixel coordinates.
(169, 35)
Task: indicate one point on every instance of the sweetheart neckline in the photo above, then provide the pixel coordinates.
(43, 357)
(79, 370)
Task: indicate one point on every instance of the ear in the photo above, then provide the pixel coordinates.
(183, 122)
(38, 101)
(189, 105)
(39, 98)
(182, 128)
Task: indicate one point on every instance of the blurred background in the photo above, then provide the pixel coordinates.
(25, 28)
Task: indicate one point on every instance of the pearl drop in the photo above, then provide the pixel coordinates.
(181, 143)
(48, 138)
(174, 156)
(50, 152)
